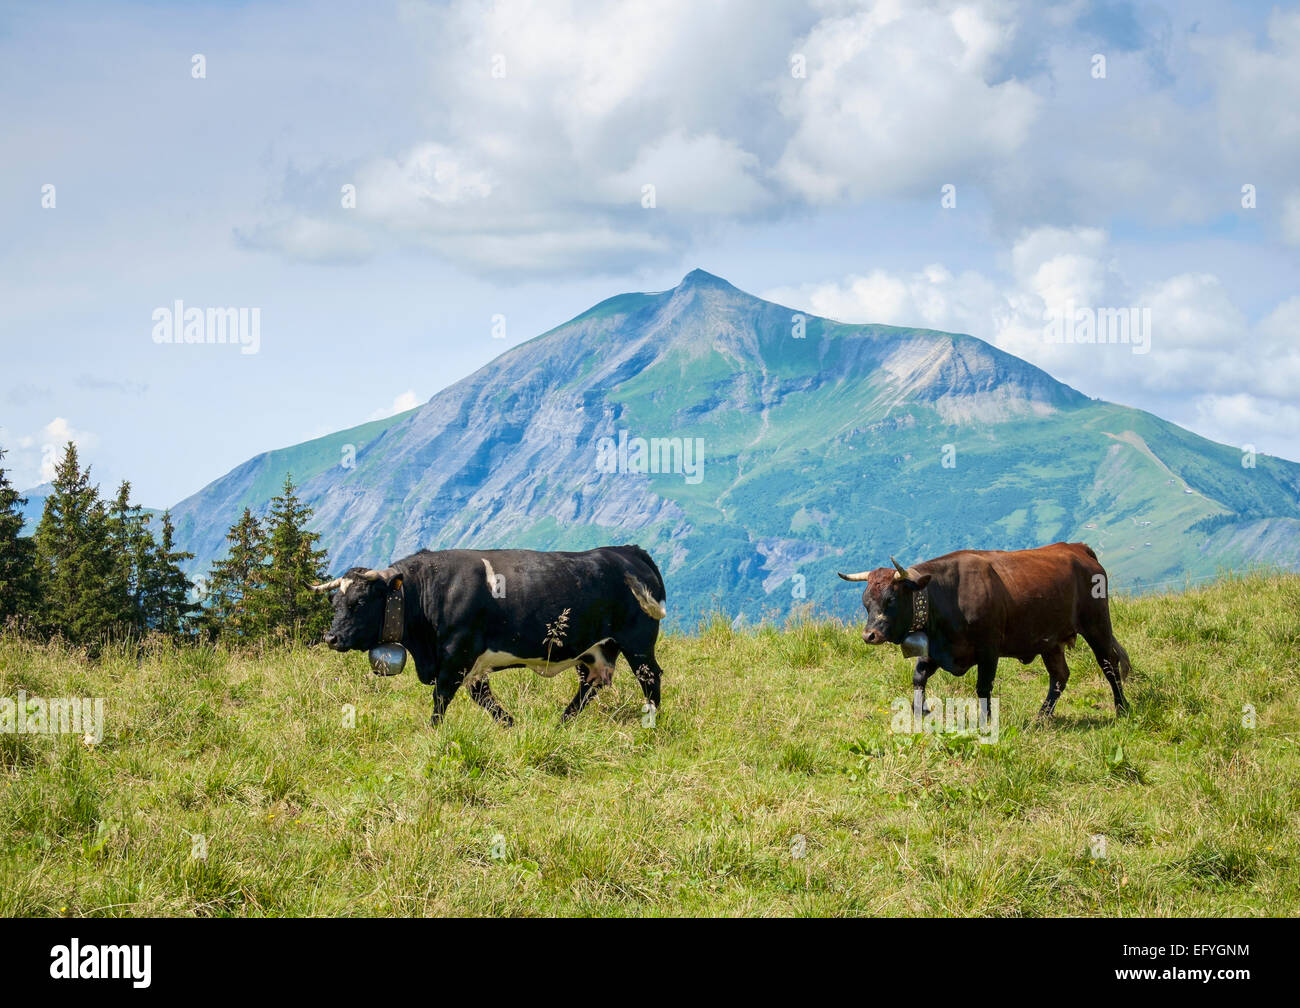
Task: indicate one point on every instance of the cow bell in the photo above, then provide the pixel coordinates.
(915, 645)
(387, 659)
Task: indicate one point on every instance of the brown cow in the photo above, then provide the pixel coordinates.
(973, 607)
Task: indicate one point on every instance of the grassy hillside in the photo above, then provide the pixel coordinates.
(770, 744)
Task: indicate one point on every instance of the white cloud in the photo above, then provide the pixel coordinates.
(1208, 366)
(694, 173)
(898, 100)
(931, 298)
(31, 458)
(414, 188)
(403, 402)
(53, 438)
(1243, 419)
(1253, 87)
(590, 102)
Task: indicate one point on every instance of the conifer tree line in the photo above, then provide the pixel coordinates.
(96, 570)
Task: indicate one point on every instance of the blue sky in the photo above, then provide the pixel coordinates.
(499, 153)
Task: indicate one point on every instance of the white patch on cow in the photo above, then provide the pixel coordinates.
(595, 655)
(491, 661)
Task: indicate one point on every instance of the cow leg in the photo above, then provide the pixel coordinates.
(441, 698)
(920, 675)
(481, 693)
(988, 668)
(442, 694)
(1113, 660)
(586, 690)
(1059, 674)
(648, 674)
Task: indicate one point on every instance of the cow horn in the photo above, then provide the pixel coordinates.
(327, 586)
(901, 573)
(385, 575)
(855, 577)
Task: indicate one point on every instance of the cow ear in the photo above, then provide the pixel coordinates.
(396, 583)
(920, 582)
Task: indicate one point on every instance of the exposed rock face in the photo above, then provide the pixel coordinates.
(815, 445)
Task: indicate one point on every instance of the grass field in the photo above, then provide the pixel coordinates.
(770, 785)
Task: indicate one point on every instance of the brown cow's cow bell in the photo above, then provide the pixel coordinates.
(916, 645)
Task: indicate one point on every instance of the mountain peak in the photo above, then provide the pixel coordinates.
(799, 422)
(701, 278)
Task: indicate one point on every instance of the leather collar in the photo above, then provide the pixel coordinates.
(920, 610)
(394, 616)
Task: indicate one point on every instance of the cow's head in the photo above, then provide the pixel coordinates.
(888, 600)
(359, 599)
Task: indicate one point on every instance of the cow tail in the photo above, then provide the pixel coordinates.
(645, 598)
(1118, 649)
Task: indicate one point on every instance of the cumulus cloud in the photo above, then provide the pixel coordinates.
(31, 458)
(1208, 365)
(53, 438)
(544, 122)
(706, 174)
(403, 402)
(899, 100)
(930, 298)
(1250, 81)
(1243, 419)
(426, 178)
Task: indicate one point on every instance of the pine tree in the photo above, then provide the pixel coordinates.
(132, 558)
(286, 602)
(168, 605)
(17, 556)
(74, 562)
(235, 582)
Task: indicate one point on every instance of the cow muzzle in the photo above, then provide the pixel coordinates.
(872, 636)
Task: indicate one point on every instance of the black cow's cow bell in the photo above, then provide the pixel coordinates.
(387, 659)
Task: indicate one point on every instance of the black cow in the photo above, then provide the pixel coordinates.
(468, 613)
(972, 607)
